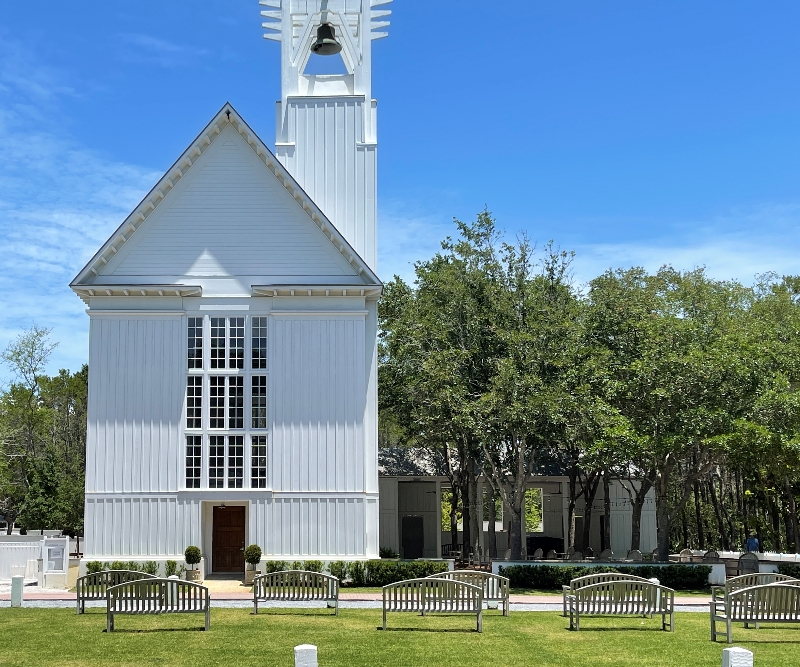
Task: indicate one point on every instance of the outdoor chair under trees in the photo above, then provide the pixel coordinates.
(552, 555)
(711, 557)
(654, 556)
(635, 555)
(537, 555)
(588, 552)
(748, 563)
(685, 556)
(607, 555)
(576, 557)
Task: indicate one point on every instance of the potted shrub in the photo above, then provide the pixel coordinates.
(252, 556)
(192, 557)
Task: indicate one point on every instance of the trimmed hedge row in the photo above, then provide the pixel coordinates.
(790, 569)
(553, 577)
(366, 573)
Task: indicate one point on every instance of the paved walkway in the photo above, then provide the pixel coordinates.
(231, 593)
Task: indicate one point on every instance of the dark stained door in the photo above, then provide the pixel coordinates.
(227, 550)
(413, 537)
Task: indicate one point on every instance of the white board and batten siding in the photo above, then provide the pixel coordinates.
(327, 151)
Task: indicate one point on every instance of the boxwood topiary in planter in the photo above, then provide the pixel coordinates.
(192, 557)
(252, 555)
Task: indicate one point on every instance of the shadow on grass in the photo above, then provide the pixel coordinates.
(154, 630)
(624, 629)
(320, 613)
(465, 630)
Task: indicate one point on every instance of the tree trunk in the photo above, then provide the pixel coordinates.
(492, 496)
(723, 533)
(606, 510)
(476, 522)
(662, 513)
(589, 495)
(573, 499)
(454, 516)
(791, 505)
(466, 518)
(636, 520)
(701, 538)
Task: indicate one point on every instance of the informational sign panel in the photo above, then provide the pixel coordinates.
(55, 554)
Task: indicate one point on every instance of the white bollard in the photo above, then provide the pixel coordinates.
(16, 591)
(737, 657)
(305, 655)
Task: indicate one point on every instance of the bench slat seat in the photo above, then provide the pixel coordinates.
(434, 595)
(94, 586)
(777, 602)
(495, 588)
(622, 598)
(597, 578)
(157, 596)
(296, 586)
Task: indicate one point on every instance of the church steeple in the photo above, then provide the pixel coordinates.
(326, 132)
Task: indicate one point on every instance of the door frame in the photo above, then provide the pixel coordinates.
(208, 529)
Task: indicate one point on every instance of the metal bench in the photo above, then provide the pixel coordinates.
(622, 598)
(769, 603)
(589, 579)
(94, 586)
(296, 586)
(157, 596)
(434, 595)
(495, 587)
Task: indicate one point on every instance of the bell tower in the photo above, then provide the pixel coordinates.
(326, 134)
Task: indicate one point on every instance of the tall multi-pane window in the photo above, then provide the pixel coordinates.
(235, 402)
(259, 355)
(226, 402)
(258, 471)
(194, 460)
(194, 401)
(258, 396)
(216, 461)
(236, 337)
(218, 337)
(216, 401)
(235, 461)
(195, 342)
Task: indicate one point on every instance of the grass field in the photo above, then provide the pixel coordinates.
(57, 637)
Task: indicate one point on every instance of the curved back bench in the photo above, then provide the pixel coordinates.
(719, 593)
(622, 598)
(768, 603)
(599, 578)
(495, 587)
(157, 596)
(434, 595)
(94, 586)
(296, 586)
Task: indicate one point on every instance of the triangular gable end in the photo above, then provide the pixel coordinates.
(227, 123)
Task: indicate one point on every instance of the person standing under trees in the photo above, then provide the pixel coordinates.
(752, 542)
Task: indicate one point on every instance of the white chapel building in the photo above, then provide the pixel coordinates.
(233, 327)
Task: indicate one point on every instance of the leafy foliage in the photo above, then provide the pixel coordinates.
(553, 577)
(252, 555)
(192, 555)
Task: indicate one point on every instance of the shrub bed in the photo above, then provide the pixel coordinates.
(553, 577)
(790, 569)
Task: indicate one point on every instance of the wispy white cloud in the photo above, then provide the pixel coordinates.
(146, 49)
(58, 203)
(740, 245)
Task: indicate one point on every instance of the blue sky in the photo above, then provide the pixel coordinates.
(635, 133)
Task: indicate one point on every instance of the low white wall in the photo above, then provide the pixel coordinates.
(16, 554)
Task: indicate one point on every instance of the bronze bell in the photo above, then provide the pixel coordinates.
(326, 44)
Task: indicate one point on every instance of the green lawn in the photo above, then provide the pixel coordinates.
(56, 637)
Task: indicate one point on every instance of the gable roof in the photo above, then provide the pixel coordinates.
(227, 117)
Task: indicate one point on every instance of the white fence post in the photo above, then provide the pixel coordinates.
(737, 657)
(16, 591)
(305, 655)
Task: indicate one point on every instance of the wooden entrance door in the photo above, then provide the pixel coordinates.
(413, 537)
(227, 549)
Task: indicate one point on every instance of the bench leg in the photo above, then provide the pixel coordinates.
(208, 617)
(384, 618)
(712, 609)
(729, 630)
(255, 606)
(336, 607)
(506, 610)
(480, 620)
(110, 622)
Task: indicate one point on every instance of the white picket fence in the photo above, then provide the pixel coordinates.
(16, 555)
